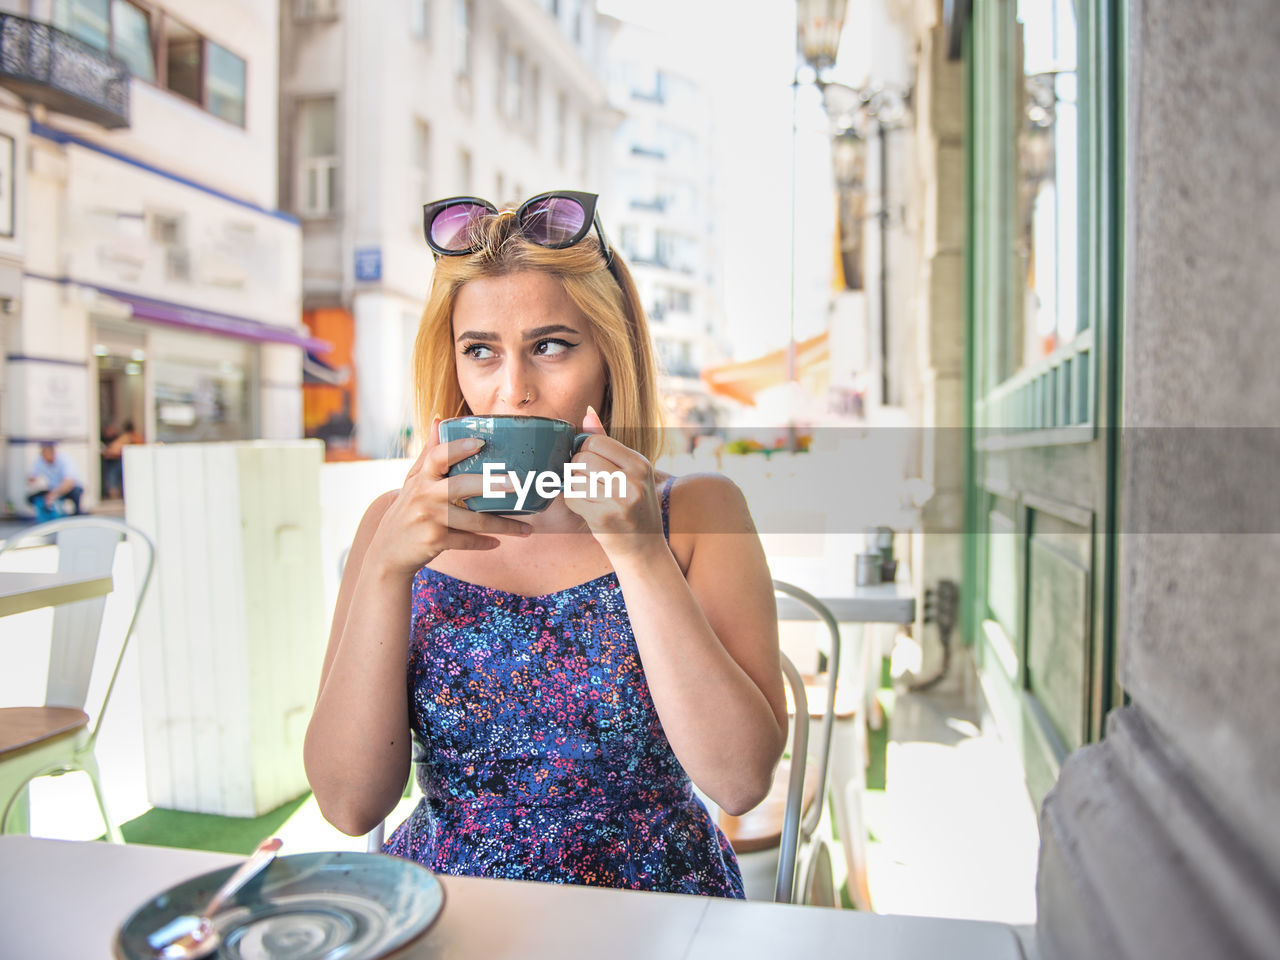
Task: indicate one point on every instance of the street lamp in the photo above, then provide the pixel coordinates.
(818, 26)
(853, 112)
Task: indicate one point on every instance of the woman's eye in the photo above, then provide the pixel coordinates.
(477, 351)
(549, 347)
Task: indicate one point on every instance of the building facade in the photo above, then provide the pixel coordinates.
(1115, 215)
(662, 210)
(386, 106)
(147, 273)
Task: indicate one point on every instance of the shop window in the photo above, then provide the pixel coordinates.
(203, 389)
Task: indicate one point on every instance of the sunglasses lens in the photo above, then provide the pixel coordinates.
(554, 221)
(451, 229)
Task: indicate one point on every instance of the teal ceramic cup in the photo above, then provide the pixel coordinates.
(533, 448)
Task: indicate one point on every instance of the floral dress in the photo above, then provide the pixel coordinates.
(544, 756)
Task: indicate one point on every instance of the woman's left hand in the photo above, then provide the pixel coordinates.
(625, 523)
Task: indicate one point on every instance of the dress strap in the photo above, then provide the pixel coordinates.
(666, 507)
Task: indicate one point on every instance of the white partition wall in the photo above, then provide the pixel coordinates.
(232, 634)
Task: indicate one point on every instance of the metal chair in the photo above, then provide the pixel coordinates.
(758, 834)
(57, 737)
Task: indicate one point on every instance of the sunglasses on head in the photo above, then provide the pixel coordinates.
(554, 220)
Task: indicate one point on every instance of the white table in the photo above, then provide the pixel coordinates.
(879, 603)
(20, 592)
(65, 899)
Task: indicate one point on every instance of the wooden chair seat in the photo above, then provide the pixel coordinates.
(815, 691)
(24, 727)
(760, 828)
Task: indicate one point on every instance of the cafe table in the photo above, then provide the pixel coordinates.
(63, 899)
(21, 591)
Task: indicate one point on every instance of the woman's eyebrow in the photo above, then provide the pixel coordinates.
(537, 332)
(534, 334)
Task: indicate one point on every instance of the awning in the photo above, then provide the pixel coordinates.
(316, 372)
(193, 318)
(742, 381)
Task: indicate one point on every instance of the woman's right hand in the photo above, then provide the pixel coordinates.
(428, 517)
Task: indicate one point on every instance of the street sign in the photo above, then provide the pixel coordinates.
(368, 264)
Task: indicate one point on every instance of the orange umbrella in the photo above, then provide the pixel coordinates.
(742, 381)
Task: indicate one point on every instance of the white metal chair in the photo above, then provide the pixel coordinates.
(757, 836)
(57, 737)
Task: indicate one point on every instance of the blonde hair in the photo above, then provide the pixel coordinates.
(631, 411)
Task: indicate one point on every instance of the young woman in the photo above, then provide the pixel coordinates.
(569, 672)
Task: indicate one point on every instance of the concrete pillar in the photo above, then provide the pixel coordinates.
(1161, 840)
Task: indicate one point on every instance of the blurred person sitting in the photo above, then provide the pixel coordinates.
(56, 479)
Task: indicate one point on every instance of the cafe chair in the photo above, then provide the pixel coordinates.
(58, 737)
(759, 833)
(772, 827)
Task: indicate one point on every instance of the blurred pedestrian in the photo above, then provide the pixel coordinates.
(57, 479)
(113, 459)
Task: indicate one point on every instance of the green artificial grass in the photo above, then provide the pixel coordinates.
(201, 831)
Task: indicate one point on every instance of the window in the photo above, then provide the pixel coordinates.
(562, 127)
(420, 18)
(118, 27)
(165, 52)
(316, 187)
(513, 86)
(500, 88)
(462, 37)
(224, 83)
(204, 72)
(533, 103)
(85, 20)
(420, 158)
(131, 36)
(183, 71)
(464, 171)
(1046, 315)
(315, 9)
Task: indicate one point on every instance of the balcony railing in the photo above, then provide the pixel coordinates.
(45, 65)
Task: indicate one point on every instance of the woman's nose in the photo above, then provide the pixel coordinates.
(514, 390)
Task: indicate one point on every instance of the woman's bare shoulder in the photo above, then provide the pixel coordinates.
(708, 503)
(369, 522)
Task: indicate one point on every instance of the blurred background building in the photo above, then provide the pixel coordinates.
(662, 212)
(146, 273)
(386, 106)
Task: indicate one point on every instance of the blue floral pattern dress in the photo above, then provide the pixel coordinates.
(545, 757)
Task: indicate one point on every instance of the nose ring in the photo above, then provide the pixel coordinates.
(527, 397)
